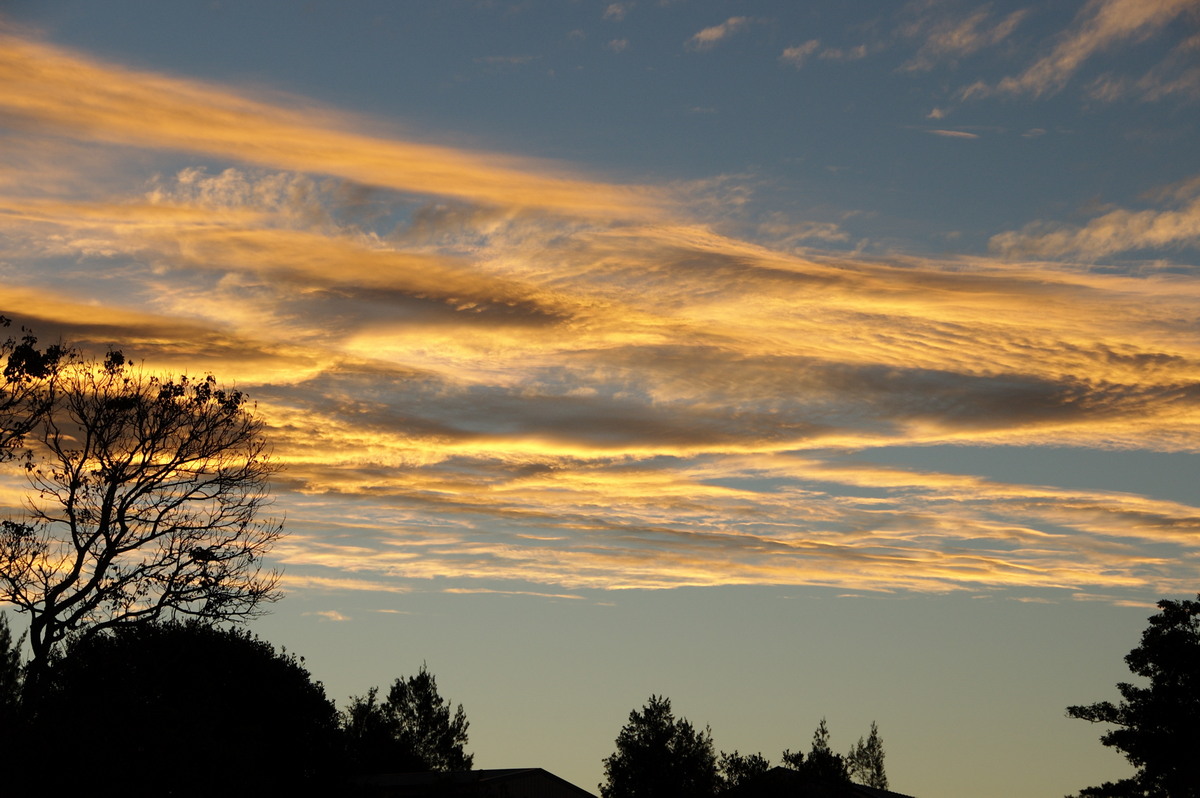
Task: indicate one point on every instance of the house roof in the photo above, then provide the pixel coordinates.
(515, 782)
(781, 782)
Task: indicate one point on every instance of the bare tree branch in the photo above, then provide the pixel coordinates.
(144, 504)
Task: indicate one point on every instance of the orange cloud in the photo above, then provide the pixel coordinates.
(533, 393)
(72, 95)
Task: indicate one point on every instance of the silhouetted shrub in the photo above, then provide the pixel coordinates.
(180, 709)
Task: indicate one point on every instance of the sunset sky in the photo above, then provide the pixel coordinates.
(789, 359)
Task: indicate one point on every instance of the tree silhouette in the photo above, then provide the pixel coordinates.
(412, 730)
(822, 763)
(424, 723)
(865, 761)
(658, 756)
(371, 744)
(1158, 726)
(181, 709)
(10, 675)
(736, 769)
(144, 501)
(26, 369)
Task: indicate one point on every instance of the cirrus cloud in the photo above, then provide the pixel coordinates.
(1099, 26)
(543, 390)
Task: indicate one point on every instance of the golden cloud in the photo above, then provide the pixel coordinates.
(71, 95)
(548, 393)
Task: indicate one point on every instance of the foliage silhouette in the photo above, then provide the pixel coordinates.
(412, 730)
(26, 368)
(144, 499)
(182, 709)
(1158, 726)
(371, 744)
(10, 674)
(658, 756)
(737, 769)
(821, 763)
(865, 761)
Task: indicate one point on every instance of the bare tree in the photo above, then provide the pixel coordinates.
(144, 504)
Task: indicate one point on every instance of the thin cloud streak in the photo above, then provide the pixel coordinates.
(69, 94)
(954, 134)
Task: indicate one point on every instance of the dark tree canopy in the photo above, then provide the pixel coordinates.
(658, 756)
(10, 674)
(1158, 725)
(424, 724)
(181, 709)
(821, 763)
(369, 731)
(737, 769)
(412, 730)
(26, 368)
(144, 501)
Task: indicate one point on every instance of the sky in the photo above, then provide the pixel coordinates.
(790, 360)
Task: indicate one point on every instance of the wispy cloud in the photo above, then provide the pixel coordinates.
(949, 38)
(902, 530)
(330, 615)
(844, 53)
(70, 95)
(617, 11)
(1119, 230)
(1176, 76)
(708, 38)
(1099, 26)
(506, 60)
(797, 55)
(535, 594)
(540, 395)
(786, 233)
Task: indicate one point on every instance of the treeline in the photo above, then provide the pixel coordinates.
(186, 708)
(191, 708)
(660, 756)
(145, 503)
